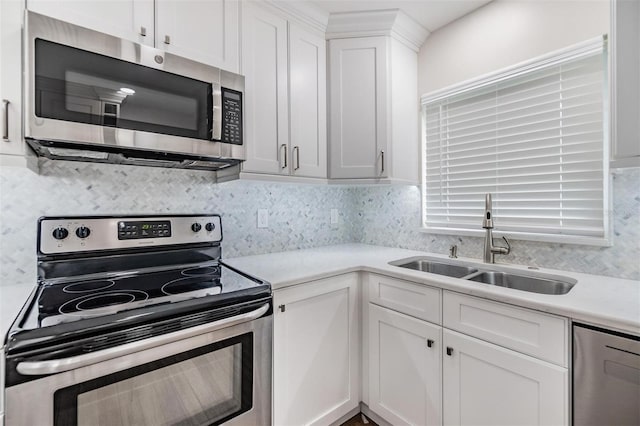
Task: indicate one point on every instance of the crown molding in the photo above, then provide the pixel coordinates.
(391, 22)
(303, 12)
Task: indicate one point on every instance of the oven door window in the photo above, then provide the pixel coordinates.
(84, 87)
(205, 386)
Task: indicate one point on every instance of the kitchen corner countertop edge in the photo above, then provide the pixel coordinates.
(598, 300)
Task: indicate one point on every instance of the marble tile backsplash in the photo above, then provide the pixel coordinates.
(299, 215)
(391, 216)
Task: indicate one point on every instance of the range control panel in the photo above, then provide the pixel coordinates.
(128, 230)
(79, 234)
(231, 116)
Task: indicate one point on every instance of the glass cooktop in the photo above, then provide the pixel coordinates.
(72, 300)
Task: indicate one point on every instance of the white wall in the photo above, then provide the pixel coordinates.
(503, 33)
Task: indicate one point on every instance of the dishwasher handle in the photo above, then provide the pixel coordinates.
(35, 368)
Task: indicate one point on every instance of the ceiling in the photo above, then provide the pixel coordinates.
(431, 14)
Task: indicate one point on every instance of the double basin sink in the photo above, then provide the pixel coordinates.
(535, 283)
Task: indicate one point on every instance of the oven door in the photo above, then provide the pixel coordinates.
(219, 377)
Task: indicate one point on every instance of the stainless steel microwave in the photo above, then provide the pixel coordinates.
(90, 96)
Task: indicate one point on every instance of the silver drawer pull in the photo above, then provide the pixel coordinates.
(297, 151)
(143, 31)
(5, 128)
(34, 368)
(382, 161)
(167, 39)
(283, 151)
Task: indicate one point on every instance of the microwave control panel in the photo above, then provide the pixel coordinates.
(231, 116)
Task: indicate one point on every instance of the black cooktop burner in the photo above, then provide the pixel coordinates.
(95, 301)
(202, 270)
(188, 284)
(83, 287)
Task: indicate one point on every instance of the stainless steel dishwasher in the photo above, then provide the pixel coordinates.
(606, 377)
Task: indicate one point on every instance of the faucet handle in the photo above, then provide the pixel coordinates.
(508, 245)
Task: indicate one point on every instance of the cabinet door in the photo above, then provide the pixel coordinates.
(625, 78)
(485, 384)
(307, 89)
(11, 13)
(316, 350)
(359, 131)
(264, 65)
(128, 19)
(404, 368)
(206, 31)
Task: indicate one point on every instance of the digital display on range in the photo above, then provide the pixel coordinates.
(128, 230)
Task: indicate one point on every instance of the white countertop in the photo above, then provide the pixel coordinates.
(606, 301)
(12, 298)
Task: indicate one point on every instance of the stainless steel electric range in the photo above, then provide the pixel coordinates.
(137, 320)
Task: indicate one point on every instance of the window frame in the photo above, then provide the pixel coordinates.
(575, 51)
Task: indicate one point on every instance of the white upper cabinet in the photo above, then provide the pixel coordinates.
(358, 76)
(625, 83)
(205, 31)
(373, 96)
(284, 65)
(130, 19)
(307, 87)
(10, 77)
(264, 65)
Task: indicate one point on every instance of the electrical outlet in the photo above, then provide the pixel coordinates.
(263, 218)
(334, 216)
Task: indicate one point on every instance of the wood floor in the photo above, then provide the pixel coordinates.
(357, 421)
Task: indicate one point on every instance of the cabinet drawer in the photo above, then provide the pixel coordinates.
(409, 298)
(533, 333)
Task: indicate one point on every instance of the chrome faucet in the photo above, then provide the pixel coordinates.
(487, 223)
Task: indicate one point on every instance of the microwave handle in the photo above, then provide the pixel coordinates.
(216, 102)
(34, 368)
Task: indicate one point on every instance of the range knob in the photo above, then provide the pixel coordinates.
(196, 227)
(60, 233)
(83, 232)
(210, 227)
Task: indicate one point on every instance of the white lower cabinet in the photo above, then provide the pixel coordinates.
(404, 368)
(485, 384)
(508, 368)
(316, 351)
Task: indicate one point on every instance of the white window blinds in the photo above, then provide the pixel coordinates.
(534, 137)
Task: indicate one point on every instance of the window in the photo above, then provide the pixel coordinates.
(534, 136)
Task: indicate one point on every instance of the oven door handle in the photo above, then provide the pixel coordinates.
(53, 366)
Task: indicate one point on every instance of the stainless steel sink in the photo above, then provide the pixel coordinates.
(440, 268)
(534, 282)
(542, 285)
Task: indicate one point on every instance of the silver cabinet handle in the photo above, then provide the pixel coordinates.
(382, 161)
(32, 368)
(167, 39)
(143, 31)
(297, 151)
(283, 152)
(5, 126)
